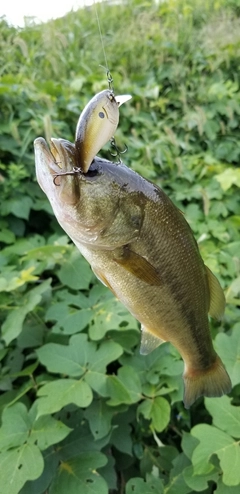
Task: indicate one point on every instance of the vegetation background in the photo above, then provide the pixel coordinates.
(82, 411)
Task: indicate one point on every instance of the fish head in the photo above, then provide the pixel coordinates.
(97, 125)
(98, 207)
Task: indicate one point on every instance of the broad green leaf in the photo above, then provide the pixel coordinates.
(177, 484)
(228, 347)
(121, 434)
(80, 440)
(109, 473)
(11, 280)
(32, 333)
(189, 443)
(12, 325)
(57, 394)
(99, 416)
(18, 465)
(75, 272)
(21, 207)
(124, 388)
(41, 484)
(47, 431)
(15, 426)
(81, 357)
(226, 489)
(215, 441)
(225, 416)
(110, 314)
(80, 475)
(158, 411)
(198, 483)
(152, 485)
(230, 176)
(68, 319)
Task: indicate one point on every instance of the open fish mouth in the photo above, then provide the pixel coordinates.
(53, 160)
(59, 155)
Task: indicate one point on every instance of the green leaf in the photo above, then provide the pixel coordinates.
(121, 435)
(124, 388)
(230, 176)
(15, 426)
(152, 485)
(108, 315)
(81, 357)
(75, 272)
(21, 207)
(189, 443)
(57, 394)
(41, 484)
(12, 325)
(198, 483)
(226, 489)
(47, 431)
(19, 465)
(228, 348)
(99, 416)
(214, 441)
(225, 416)
(80, 476)
(158, 411)
(80, 440)
(177, 484)
(70, 320)
(109, 473)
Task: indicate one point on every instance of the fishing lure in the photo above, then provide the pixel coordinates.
(96, 126)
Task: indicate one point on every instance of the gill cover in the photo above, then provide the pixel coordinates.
(96, 125)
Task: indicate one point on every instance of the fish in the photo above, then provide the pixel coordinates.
(97, 125)
(141, 247)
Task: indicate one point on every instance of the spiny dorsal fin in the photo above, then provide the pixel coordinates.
(149, 341)
(217, 298)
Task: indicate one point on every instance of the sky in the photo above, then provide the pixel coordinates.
(43, 10)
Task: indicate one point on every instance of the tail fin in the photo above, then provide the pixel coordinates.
(211, 382)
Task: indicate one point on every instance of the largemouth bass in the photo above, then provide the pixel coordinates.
(142, 248)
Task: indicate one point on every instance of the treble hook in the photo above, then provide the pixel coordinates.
(74, 171)
(118, 151)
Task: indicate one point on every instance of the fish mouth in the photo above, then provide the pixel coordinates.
(54, 160)
(58, 156)
(55, 167)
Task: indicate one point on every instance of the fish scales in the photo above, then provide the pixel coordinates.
(140, 246)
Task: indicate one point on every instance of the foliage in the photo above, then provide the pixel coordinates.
(81, 410)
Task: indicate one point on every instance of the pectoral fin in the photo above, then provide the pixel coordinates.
(138, 266)
(103, 279)
(217, 298)
(149, 341)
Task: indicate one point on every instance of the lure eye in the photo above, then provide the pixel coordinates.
(101, 114)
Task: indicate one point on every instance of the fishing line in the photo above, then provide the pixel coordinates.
(109, 76)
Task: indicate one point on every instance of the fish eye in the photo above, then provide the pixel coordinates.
(101, 114)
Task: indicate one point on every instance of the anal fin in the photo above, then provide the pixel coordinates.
(149, 341)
